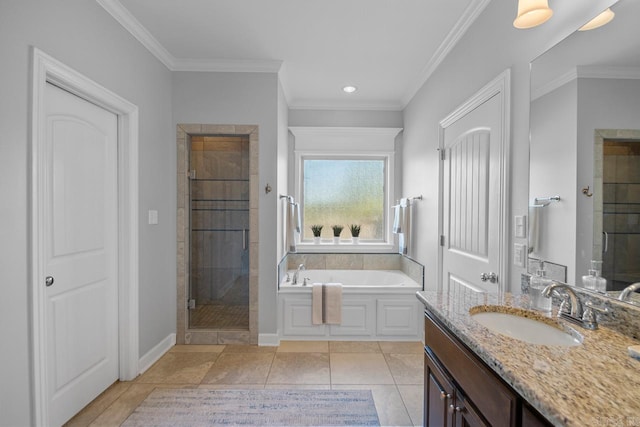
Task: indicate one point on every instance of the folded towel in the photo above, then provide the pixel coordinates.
(397, 219)
(326, 303)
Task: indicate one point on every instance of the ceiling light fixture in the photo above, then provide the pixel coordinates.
(532, 13)
(600, 20)
(349, 89)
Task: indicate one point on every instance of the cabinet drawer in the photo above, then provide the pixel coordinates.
(496, 402)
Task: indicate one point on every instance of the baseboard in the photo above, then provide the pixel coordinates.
(156, 353)
(269, 340)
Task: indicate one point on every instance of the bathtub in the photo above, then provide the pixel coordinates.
(353, 280)
(377, 305)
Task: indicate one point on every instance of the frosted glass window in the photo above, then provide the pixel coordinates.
(344, 192)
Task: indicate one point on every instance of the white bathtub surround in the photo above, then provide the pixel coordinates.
(326, 303)
(377, 305)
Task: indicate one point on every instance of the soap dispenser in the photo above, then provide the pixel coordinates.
(538, 282)
(593, 280)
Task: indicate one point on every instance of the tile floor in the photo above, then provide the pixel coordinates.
(393, 371)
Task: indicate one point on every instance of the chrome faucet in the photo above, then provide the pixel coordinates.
(571, 307)
(628, 290)
(569, 298)
(294, 281)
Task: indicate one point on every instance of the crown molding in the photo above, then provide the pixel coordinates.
(337, 105)
(586, 72)
(554, 84)
(471, 13)
(137, 30)
(131, 24)
(608, 72)
(228, 65)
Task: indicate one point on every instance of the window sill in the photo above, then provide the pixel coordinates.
(345, 246)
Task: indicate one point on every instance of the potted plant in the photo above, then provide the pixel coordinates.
(337, 229)
(355, 233)
(316, 230)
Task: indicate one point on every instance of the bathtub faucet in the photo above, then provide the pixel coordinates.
(294, 281)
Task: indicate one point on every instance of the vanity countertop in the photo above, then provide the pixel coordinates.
(593, 384)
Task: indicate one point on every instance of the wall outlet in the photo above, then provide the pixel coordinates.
(153, 217)
(519, 254)
(520, 226)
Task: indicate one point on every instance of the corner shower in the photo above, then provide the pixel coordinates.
(219, 232)
(621, 212)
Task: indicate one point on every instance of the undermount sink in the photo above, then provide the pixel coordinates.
(524, 326)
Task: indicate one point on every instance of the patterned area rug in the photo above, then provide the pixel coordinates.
(200, 407)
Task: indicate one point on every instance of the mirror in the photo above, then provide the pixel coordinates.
(584, 184)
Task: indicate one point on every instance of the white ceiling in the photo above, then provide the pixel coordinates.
(387, 48)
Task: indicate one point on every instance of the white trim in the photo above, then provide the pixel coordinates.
(227, 65)
(153, 355)
(269, 340)
(137, 30)
(608, 72)
(501, 85)
(47, 69)
(140, 32)
(586, 72)
(469, 16)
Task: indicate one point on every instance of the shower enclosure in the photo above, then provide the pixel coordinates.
(621, 212)
(219, 231)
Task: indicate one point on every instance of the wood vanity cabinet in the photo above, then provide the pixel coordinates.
(460, 390)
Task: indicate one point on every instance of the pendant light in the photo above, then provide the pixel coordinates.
(600, 20)
(532, 13)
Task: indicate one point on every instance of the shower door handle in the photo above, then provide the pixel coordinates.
(606, 242)
(244, 239)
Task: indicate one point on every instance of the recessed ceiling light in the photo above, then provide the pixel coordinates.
(349, 89)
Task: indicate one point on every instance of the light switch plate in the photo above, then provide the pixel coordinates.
(153, 217)
(519, 254)
(520, 226)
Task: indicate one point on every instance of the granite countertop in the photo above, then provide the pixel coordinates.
(594, 384)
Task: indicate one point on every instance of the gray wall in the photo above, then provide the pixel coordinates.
(82, 35)
(601, 104)
(553, 172)
(250, 99)
(489, 47)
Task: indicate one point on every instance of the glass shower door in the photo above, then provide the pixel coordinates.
(219, 225)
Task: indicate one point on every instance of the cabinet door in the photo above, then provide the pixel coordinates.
(438, 395)
(465, 414)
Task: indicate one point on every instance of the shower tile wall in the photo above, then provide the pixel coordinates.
(220, 222)
(621, 216)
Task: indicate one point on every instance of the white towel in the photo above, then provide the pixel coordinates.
(397, 219)
(534, 228)
(326, 303)
(292, 224)
(404, 238)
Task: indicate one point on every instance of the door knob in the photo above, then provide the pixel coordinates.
(49, 281)
(491, 277)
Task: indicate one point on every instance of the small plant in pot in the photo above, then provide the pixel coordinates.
(355, 233)
(337, 229)
(316, 230)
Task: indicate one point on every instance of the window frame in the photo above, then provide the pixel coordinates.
(384, 245)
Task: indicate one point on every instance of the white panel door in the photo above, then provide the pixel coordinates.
(81, 225)
(471, 199)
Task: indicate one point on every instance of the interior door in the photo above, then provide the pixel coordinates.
(471, 199)
(80, 239)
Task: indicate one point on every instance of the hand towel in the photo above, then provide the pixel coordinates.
(332, 302)
(534, 228)
(292, 226)
(404, 239)
(397, 219)
(326, 303)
